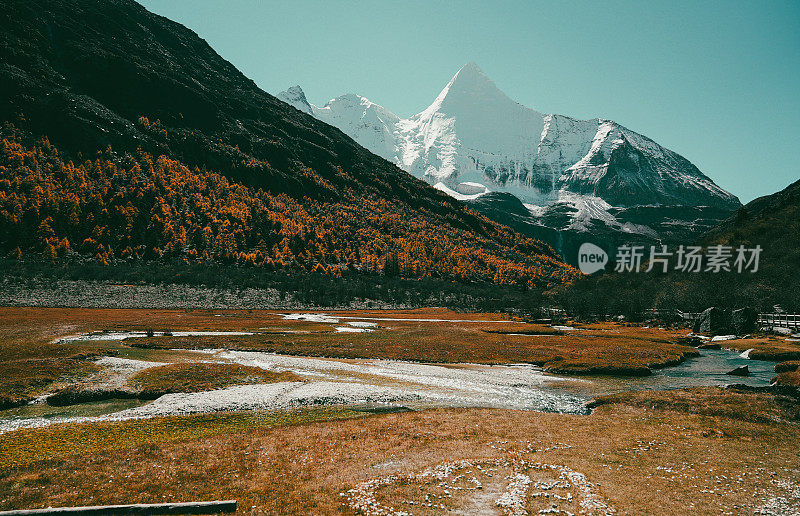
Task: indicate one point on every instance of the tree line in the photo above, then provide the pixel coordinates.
(139, 207)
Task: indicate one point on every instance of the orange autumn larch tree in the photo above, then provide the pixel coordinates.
(137, 206)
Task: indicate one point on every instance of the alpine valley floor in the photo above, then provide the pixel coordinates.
(387, 412)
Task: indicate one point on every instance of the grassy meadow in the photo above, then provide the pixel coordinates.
(700, 450)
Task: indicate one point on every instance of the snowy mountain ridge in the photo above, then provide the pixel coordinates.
(473, 139)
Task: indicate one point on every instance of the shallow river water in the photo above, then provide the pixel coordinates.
(709, 369)
(391, 383)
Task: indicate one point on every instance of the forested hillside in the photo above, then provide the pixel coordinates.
(126, 137)
(138, 207)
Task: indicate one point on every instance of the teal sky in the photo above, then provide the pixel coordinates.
(718, 82)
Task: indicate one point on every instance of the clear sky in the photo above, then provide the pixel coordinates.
(717, 82)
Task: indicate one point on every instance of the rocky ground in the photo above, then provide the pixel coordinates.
(98, 294)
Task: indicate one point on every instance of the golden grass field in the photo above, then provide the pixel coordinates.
(617, 350)
(642, 460)
(693, 451)
(30, 362)
(772, 348)
(196, 377)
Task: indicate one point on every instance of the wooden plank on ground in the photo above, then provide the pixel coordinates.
(213, 507)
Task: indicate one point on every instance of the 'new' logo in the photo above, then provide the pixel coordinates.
(591, 258)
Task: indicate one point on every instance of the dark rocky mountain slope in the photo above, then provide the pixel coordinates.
(113, 87)
(771, 222)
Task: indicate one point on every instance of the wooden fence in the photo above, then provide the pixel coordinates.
(784, 320)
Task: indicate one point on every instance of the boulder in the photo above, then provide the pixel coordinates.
(744, 320)
(690, 340)
(713, 321)
(740, 371)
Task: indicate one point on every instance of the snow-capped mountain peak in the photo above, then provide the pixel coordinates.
(474, 134)
(348, 104)
(294, 96)
(469, 89)
(368, 123)
(470, 113)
